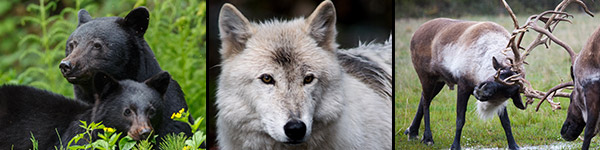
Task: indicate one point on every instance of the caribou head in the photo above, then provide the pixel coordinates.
(493, 91)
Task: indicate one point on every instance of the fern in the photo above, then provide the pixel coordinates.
(176, 34)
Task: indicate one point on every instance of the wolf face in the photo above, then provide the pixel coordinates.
(281, 77)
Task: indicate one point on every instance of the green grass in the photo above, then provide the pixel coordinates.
(548, 67)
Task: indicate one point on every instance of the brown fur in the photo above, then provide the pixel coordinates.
(444, 31)
(447, 51)
(585, 100)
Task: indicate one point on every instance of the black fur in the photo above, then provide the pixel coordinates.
(116, 46)
(27, 110)
(493, 90)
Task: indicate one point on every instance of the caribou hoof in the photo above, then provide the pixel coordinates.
(410, 137)
(455, 147)
(427, 141)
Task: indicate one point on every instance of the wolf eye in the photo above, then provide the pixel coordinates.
(308, 79)
(127, 112)
(267, 79)
(97, 46)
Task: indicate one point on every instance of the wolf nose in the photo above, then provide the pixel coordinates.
(145, 133)
(295, 130)
(65, 66)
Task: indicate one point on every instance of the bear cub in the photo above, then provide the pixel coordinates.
(116, 46)
(127, 106)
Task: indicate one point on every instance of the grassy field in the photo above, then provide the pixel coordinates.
(548, 67)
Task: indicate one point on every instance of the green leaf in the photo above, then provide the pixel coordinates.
(114, 138)
(76, 147)
(126, 143)
(101, 144)
(197, 124)
(75, 139)
(33, 141)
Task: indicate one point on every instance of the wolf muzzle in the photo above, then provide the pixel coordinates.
(295, 131)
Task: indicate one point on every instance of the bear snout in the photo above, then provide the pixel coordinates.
(145, 133)
(140, 132)
(65, 66)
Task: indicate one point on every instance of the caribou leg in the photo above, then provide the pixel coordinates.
(430, 90)
(590, 127)
(592, 101)
(463, 95)
(507, 130)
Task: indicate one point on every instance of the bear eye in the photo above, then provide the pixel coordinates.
(71, 45)
(127, 112)
(97, 46)
(267, 79)
(151, 112)
(308, 79)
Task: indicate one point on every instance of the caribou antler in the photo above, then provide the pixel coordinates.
(545, 33)
(554, 91)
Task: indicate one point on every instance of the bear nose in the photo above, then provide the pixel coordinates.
(65, 66)
(145, 133)
(295, 130)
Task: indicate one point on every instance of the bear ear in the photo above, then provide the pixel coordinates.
(84, 17)
(321, 25)
(159, 82)
(138, 20)
(235, 30)
(104, 84)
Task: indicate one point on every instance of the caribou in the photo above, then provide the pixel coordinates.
(476, 56)
(584, 108)
(467, 54)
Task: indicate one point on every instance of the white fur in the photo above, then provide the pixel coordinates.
(340, 111)
(476, 60)
(468, 60)
(486, 110)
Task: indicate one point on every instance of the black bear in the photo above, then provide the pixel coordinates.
(116, 46)
(127, 106)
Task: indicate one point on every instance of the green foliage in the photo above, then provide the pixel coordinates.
(89, 128)
(30, 52)
(173, 141)
(38, 54)
(108, 139)
(196, 139)
(177, 34)
(34, 142)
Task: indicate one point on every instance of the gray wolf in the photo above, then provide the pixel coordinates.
(285, 85)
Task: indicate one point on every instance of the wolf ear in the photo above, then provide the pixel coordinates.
(235, 30)
(321, 25)
(104, 84)
(159, 82)
(84, 17)
(138, 20)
